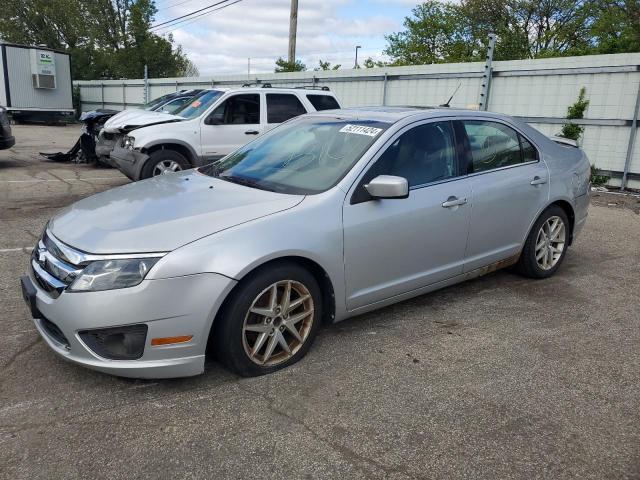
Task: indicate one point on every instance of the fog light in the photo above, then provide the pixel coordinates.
(118, 343)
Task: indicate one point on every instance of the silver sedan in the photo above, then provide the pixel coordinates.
(327, 216)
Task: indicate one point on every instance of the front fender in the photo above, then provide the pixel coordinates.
(311, 230)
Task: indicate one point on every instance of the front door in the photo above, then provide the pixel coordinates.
(394, 246)
(230, 125)
(510, 185)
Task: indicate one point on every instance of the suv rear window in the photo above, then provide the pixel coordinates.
(323, 102)
(283, 106)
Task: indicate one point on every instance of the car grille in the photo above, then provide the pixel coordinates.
(51, 267)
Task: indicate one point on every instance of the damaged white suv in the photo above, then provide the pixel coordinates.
(212, 125)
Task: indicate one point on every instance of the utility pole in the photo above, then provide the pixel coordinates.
(293, 28)
(356, 64)
(248, 67)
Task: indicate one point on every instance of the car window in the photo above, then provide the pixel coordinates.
(174, 105)
(529, 153)
(493, 145)
(283, 106)
(305, 156)
(424, 154)
(199, 104)
(237, 110)
(323, 102)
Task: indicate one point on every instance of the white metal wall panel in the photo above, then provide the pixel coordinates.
(527, 88)
(21, 90)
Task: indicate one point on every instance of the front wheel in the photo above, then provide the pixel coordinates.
(162, 162)
(546, 245)
(270, 321)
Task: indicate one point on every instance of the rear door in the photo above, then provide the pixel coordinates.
(510, 186)
(231, 124)
(281, 107)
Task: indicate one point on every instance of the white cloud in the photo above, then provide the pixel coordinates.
(221, 42)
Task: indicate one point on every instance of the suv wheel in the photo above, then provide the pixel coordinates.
(162, 162)
(270, 321)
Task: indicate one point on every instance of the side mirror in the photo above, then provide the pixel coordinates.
(388, 186)
(212, 121)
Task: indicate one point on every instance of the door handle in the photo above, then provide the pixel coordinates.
(538, 181)
(454, 202)
(251, 132)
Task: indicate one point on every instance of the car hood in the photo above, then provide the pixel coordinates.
(132, 119)
(162, 213)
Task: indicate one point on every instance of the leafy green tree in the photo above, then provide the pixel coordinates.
(370, 63)
(436, 32)
(283, 65)
(440, 31)
(106, 38)
(326, 66)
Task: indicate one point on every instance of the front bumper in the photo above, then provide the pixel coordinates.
(129, 162)
(169, 307)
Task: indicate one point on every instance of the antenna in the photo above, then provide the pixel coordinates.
(447, 105)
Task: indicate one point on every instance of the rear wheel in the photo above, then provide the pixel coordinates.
(162, 162)
(270, 321)
(546, 245)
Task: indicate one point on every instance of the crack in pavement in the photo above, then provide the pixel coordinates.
(341, 449)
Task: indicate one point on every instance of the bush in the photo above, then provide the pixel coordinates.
(596, 177)
(575, 111)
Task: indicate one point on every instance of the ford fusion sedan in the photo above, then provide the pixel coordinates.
(327, 216)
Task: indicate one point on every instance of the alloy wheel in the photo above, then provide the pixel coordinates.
(278, 323)
(166, 166)
(550, 243)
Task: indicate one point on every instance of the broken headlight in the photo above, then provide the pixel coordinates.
(128, 142)
(112, 274)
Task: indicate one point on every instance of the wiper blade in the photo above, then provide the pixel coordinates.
(247, 182)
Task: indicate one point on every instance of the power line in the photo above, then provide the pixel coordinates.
(175, 5)
(188, 14)
(191, 20)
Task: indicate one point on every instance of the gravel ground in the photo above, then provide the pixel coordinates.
(499, 377)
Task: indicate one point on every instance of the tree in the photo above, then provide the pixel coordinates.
(370, 63)
(439, 31)
(436, 32)
(189, 69)
(284, 66)
(326, 66)
(106, 38)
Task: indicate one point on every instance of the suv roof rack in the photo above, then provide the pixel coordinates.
(263, 85)
(324, 88)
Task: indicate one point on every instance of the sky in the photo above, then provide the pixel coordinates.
(220, 42)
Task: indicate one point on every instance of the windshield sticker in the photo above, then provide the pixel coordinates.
(196, 104)
(361, 130)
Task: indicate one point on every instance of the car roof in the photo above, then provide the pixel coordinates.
(396, 114)
(257, 88)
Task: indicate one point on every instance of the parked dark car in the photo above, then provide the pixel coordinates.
(6, 139)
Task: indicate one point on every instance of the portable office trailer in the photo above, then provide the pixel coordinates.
(35, 83)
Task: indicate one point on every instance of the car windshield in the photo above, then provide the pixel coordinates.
(158, 101)
(199, 104)
(305, 156)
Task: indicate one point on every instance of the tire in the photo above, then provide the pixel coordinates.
(533, 263)
(173, 160)
(238, 331)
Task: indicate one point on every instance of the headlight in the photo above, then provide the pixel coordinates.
(128, 142)
(111, 274)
